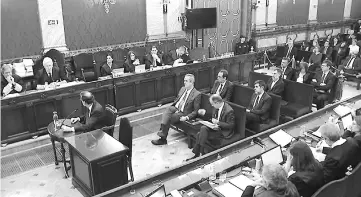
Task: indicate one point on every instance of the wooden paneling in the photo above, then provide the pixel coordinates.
(44, 113)
(330, 10)
(14, 122)
(204, 79)
(292, 12)
(167, 86)
(148, 91)
(125, 96)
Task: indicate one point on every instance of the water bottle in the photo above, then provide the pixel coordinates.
(213, 175)
(55, 119)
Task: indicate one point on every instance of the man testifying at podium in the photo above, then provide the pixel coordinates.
(222, 86)
(275, 85)
(222, 117)
(93, 118)
(48, 74)
(185, 107)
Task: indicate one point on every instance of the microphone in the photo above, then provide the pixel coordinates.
(82, 73)
(62, 123)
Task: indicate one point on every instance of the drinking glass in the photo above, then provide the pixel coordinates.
(223, 176)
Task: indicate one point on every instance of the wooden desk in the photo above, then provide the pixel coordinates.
(29, 114)
(99, 162)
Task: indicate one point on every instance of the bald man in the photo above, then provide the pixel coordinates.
(10, 83)
(183, 57)
(48, 74)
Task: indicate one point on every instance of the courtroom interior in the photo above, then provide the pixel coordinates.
(180, 98)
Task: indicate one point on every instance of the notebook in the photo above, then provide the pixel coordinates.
(347, 121)
(227, 190)
(281, 138)
(241, 182)
(272, 156)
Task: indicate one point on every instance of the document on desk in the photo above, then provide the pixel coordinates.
(208, 124)
(281, 138)
(241, 182)
(227, 190)
(342, 110)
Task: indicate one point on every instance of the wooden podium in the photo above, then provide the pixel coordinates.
(99, 162)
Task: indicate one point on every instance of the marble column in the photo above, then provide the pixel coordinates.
(260, 16)
(312, 13)
(347, 10)
(52, 25)
(272, 13)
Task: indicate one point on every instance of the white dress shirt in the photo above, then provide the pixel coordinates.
(350, 63)
(273, 83)
(220, 111)
(219, 90)
(300, 77)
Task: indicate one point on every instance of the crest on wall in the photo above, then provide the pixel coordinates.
(107, 4)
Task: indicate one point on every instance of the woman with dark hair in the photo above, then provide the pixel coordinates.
(302, 76)
(107, 68)
(341, 53)
(315, 59)
(131, 62)
(308, 176)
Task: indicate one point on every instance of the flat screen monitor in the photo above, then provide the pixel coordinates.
(272, 156)
(159, 192)
(201, 18)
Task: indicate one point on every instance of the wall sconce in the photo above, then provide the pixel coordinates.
(165, 6)
(107, 3)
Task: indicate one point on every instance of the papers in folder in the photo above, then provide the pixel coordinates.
(208, 124)
(347, 121)
(342, 110)
(281, 138)
(227, 190)
(241, 182)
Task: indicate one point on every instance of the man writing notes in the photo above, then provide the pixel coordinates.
(48, 74)
(93, 118)
(275, 85)
(10, 83)
(184, 108)
(259, 108)
(222, 86)
(222, 118)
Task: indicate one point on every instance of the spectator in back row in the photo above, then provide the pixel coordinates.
(315, 59)
(302, 76)
(222, 86)
(327, 50)
(287, 72)
(275, 85)
(352, 63)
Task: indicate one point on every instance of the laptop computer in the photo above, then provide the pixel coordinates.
(140, 68)
(158, 192)
(273, 156)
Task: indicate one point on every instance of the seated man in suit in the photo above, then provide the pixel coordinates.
(323, 83)
(275, 85)
(107, 68)
(222, 117)
(290, 50)
(222, 86)
(287, 72)
(153, 59)
(327, 50)
(10, 83)
(343, 153)
(93, 118)
(183, 57)
(48, 75)
(259, 108)
(354, 131)
(185, 107)
(352, 64)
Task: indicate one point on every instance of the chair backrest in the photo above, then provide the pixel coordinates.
(241, 95)
(336, 188)
(126, 134)
(280, 51)
(110, 118)
(353, 182)
(100, 58)
(119, 56)
(198, 53)
(140, 52)
(84, 67)
(57, 56)
(275, 108)
(254, 76)
(299, 93)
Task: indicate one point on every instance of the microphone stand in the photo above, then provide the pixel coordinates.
(62, 123)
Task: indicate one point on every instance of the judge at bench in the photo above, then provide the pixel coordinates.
(222, 86)
(185, 107)
(154, 58)
(183, 57)
(48, 74)
(108, 67)
(10, 83)
(92, 119)
(222, 117)
(275, 85)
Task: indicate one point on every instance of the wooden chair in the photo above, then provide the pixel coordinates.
(353, 182)
(84, 67)
(109, 119)
(100, 58)
(335, 188)
(126, 138)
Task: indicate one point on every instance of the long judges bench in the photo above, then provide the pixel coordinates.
(28, 115)
(185, 175)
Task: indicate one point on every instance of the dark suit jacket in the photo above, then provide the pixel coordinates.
(288, 73)
(226, 92)
(329, 81)
(315, 59)
(277, 89)
(356, 66)
(328, 52)
(339, 158)
(42, 76)
(263, 108)
(129, 67)
(106, 70)
(226, 120)
(149, 60)
(292, 53)
(17, 79)
(94, 121)
(307, 183)
(192, 104)
(306, 77)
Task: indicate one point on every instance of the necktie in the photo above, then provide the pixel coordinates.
(349, 63)
(183, 101)
(216, 114)
(324, 52)
(220, 88)
(50, 76)
(323, 77)
(256, 102)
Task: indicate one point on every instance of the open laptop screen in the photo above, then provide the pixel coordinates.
(272, 156)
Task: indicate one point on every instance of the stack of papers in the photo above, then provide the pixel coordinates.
(342, 110)
(227, 190)
(241, 182)
(208, 124)
(281, 138)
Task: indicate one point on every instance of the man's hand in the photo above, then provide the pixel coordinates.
(67, 129)
(314, 80)
(215, 121)
(74, 120)
(202, 112)
(247, 110)
(136, 62)
(7, 89)
(322, 84)
(183, 118)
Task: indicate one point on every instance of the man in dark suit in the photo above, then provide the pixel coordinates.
(327, 50)
(154, 58)
(343, 153)
(290, 50)
(185, 107)
(92, 119)
(182, 56)
(222, 118)
(222, 86)
(259, 108)
(275, 85)
(323, 83)
(10, 83)
(287, 72)
(242, 46)
(107, 68)
(352, 63)
(48, 74)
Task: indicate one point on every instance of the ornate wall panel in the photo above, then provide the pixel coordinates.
(292, 12)
(330, 10)
(268, 42)
(88, 25)
(20, 29)
(356, 9)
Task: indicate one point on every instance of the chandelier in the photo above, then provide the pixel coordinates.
(107, 3)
